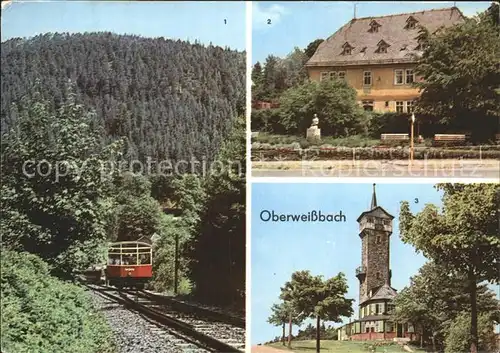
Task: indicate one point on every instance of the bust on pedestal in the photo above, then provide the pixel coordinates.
(314, 132)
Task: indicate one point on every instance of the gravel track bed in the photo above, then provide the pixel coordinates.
(134, 333)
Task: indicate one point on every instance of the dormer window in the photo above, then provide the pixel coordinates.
(346, 49)
(374, 26)
(411, 23)
(382, 47)
(421, 45)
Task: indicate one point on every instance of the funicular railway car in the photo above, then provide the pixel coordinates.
(129, 264)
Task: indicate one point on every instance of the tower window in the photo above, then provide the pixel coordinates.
(378, 275)
(379, 239)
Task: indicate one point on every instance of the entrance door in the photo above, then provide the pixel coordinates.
(399, 330)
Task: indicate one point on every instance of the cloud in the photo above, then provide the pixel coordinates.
(266, 16)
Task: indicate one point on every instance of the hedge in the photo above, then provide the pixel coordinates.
(345, 153)
(41, 313)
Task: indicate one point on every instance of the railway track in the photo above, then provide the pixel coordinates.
(195, 330)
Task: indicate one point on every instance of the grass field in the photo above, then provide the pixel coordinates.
(340, 347)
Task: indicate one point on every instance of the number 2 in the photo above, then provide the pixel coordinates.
(268, 21)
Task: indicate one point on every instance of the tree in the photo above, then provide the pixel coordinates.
(257, 82)
(54, 184)
(334, 101)
(317, 298)
(463, 237)
(461, 75)
(435, 297)
(281, 314)
(458, 335)
(311, 47)
(219, 244)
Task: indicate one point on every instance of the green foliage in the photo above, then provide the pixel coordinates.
(219, 245)
(436, 297)
(53, 185)
(267, 120)
(43, 314)
(464, 235)
(463, 238)
(461, 75)
(458, 337)
(311, 47)
(334, 101)
(170, 99)
(280, 314)
(313, 297)
(278, 74)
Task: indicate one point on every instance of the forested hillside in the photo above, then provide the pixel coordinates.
(170, 99)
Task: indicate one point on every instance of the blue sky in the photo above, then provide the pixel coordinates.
(279, 249)
(178, 20)
(296, 24)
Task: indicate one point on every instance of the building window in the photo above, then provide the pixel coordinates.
(410, 76)
(346, 49)
(324, 76)
(411, 23)
(399, 107)
(386, 222)
(367, 78)
(377, 309)
(398, 77)
(374, 25)
(367, 105)
(341, 75)
(410, 106)
(387, 104)
(379, 239)
(333, 75)
(378, 275)
(382, 47)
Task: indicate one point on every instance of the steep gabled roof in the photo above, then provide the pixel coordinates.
(392, 31)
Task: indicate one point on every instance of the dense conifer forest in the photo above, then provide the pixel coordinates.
(170, 99)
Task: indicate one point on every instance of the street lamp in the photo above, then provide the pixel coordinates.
(411, 137)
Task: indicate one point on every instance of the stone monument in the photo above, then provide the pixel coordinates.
(314, 132)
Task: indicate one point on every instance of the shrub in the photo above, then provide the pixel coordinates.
(43, 314)
(458, 334)
(269, 152)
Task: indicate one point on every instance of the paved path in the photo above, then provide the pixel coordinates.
(489, 169)
(267, 349)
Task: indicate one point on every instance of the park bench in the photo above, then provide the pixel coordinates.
(394, 137)
(391, 139)
(455, 139)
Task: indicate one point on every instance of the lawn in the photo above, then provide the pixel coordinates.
(340, 347)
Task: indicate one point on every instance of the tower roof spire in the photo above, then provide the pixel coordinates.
(374, 198)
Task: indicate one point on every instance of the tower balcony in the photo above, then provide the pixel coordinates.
(378, 224)
(360, 272)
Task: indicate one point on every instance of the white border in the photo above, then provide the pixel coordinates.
(248, 196)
